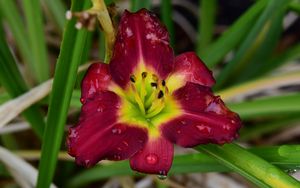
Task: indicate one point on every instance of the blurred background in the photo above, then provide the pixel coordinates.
(252, 47)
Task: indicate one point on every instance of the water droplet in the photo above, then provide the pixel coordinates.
(87, 162)
(117, 157)
(226, 127)
(100, 108)
(204, 129)
(120, 149)
(151, 159)
(125, 143)
(162, 175)
(178, 131)
(73, 133)
(290, 171)
(183, 122)
(118, 129)
(128, 32)
(232, 121)
(118, 106)
(82, 100)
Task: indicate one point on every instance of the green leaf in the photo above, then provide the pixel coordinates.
(278, 105)
(252, 167)
(57, 12)
(72, 51)
(138, 4)
(233, 36)
(11, 79)
(288, 55)
(12, 16)
(227, 74)
(36, 36)
(256, 61)
(259, 129)
(166, 16)
(206, 23)
(188, 163)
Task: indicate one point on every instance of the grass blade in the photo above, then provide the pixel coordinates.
(33, 14)
(206, 23)
(11, 14)
(21, 167)
(278, 105)
(12, 81)
(189, 163)
(263, 84)
(256, 131)
(166, 15)
(72, 51)
(255, 60)
(231, 68)
(258, 171)
(290, 54)
(57, 11)
(138, 4)
(233, 36)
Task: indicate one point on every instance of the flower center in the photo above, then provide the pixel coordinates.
(149, 93)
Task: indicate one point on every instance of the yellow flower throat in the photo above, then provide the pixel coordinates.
(148, 93)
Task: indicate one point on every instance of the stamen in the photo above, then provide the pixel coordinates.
(144, 75)
(143, 91)
(160, 94)
(154, 78)
(132, 78)
(138, 99)
(153, 84)
(155, 108)
(163, 83)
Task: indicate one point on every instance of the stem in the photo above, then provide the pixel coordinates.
(249, 165)
(104, 19)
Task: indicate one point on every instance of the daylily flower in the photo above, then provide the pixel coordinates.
(146, 100)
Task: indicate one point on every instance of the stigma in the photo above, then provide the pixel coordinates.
(149, 93)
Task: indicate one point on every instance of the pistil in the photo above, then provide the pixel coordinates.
(150, 102)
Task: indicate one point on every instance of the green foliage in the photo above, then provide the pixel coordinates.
(254, 42)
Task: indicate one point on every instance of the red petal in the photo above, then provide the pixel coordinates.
(98, 135)
(205, 118)
(95, 80)
(155, 158)
(141, 38)
(190, 68)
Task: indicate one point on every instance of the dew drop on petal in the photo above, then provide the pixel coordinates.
(183, 122)
(73, 133)
(82, 100)
(87, 162)
(117, 157)
(226, 127)
(118, 129)
(151, 159)
(100, 108)
(125, 143)
(162, 175)
(204, 129)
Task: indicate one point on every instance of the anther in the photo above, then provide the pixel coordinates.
(163, 83)
(132, 78)
(160, 94)
(153, 84)
(144, 74)
(154, 77)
